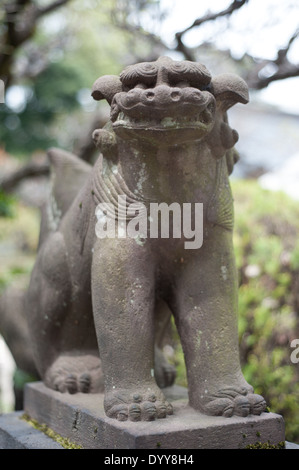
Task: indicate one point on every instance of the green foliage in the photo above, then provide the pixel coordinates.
(18, 242)
(6, 205)
(21, 378)
(294, 261)
(53, 94)
(266, 232)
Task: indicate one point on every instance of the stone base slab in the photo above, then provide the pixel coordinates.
(82, 420)
(15, 433)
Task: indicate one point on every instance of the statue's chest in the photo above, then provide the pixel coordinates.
(168, 179)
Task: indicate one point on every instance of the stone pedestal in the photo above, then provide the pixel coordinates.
(82, 420)
(16, 434)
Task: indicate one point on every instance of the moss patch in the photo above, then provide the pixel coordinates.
(63, 441)
(266, 445)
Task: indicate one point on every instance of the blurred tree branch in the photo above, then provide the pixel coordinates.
(53, 6)
(125, 16)
(31, 169)
(181, 47)
(264, 72)
(20, 18)
(259, 76)
(84, 149)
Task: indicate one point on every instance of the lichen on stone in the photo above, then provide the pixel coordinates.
(63, 441)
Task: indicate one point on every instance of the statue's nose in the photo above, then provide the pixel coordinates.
(163, 94)
(175, 94)
(149, 95)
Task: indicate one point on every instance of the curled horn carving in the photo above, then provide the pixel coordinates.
(106, 87)
(229, 89)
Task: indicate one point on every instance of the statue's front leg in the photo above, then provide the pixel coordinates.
(205, 307)
(123, 294)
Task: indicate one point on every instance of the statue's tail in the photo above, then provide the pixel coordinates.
(68, 173)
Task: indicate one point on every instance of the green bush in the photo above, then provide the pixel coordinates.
(6, 205)
(267, 253)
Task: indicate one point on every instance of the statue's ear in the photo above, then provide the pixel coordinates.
(106, 87)
(229, 89)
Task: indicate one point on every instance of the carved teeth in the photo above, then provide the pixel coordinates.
(121, 116)
(203, 117)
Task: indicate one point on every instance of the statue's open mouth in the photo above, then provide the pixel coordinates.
(196, 121)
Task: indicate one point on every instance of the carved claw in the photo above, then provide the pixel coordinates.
(136, 408)
(220, 407)
(119, 412)
(149, 411)
(242, 403)
(70, 374)
(257, 403)
(72, 383)
(241, 406)
(84, 383)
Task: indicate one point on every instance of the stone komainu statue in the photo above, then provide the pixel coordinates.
(97, 307)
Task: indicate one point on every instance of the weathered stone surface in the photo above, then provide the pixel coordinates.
(81, 418)
(16, 433)
(95, 304)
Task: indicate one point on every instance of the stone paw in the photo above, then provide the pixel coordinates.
(74, 374)
(257, 403)
(239, 404)
(169, 373)
(124, 405)
(165, 375)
